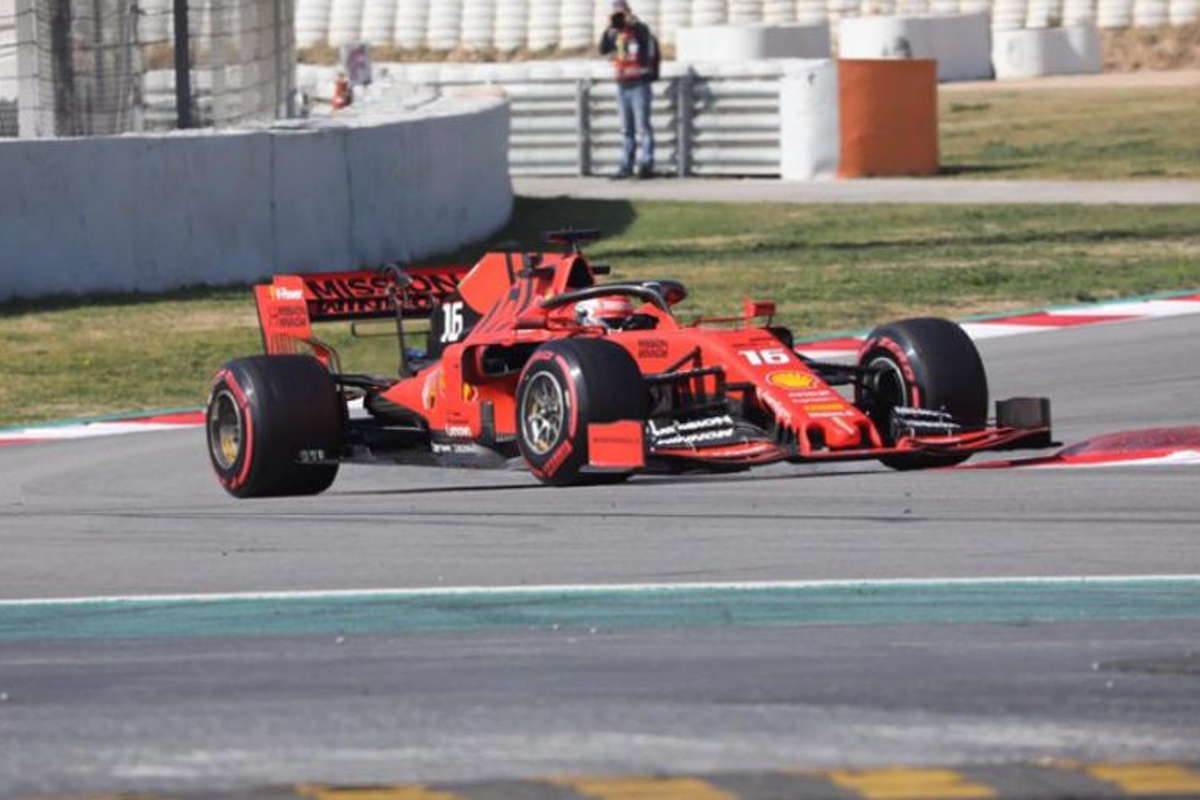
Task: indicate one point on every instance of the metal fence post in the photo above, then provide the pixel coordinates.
(183, 75)
(684, 104)
(67, 121)
(583, 125)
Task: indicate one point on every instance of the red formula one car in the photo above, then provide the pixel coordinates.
(530, 356)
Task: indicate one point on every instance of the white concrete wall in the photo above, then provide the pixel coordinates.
(751, 42)
(810, 140)
(1048, 51)
(149, 213)
(961, 43)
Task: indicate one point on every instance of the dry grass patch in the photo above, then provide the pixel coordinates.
(1167, 47)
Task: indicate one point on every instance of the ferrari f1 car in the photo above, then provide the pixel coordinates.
(531, 356)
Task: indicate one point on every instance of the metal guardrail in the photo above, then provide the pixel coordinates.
(8, 119)
(703, 125)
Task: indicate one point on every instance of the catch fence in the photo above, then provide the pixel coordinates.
(97, 67)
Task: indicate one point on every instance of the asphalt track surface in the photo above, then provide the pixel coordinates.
(866, 190)
(142, 515)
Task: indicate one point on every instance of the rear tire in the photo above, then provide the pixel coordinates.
(266, 416)
(565, 386)
(927, 363)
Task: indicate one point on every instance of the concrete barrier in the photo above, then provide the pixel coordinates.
(742, 43)
(808, 121)
(960, 43)
(887, 112)
(1047, 51)
(151, 213)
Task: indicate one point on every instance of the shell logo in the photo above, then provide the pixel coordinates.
(792, 379)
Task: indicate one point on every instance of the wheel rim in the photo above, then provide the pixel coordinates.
(225, 429)
(891, 389)
(543, 413)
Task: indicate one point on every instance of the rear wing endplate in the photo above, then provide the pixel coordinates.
(290, 304)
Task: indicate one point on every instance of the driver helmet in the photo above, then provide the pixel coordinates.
(609, 312)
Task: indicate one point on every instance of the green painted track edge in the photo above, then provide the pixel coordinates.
(595, 608)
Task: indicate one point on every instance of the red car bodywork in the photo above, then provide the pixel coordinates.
(488, 322)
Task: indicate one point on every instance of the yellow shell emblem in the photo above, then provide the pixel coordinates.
(791, 379)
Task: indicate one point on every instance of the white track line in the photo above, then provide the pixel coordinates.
(1136, 308)
(998, 330)
(88, 430)
(1178, 458)
(602, 588)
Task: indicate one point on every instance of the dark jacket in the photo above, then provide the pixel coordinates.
(635, 50)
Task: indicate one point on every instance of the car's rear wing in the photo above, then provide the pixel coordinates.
(290, 304)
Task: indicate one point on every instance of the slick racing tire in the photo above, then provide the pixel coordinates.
(269, 415)
(927, 363)
(565, 386)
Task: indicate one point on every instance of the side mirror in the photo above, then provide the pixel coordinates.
(758, 308)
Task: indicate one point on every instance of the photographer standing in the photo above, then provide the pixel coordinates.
(636, 59)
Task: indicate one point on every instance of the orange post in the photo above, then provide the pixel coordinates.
(888, 117)
(343, 93)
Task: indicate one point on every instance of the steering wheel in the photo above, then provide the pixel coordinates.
(661, 294)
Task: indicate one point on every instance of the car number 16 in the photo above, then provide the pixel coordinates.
(772, 356)
(452, 322)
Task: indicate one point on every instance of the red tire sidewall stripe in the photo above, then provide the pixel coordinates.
(247, 426)
(561, 453)
(905, 365)
(572, 394)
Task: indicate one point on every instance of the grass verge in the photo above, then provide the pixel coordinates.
(1098, 133)
(828, 267)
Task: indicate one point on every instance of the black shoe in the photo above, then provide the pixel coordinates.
(621, 175)
(645, 173)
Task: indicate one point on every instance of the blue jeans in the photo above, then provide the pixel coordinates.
(633, 101)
